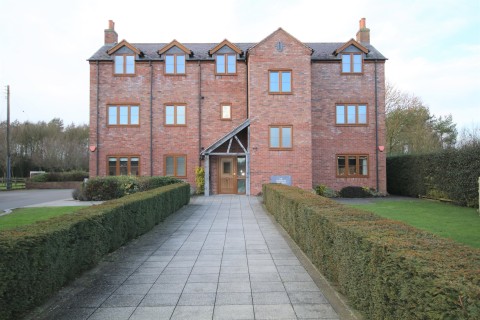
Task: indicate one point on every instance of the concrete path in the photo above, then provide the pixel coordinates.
(220, 257)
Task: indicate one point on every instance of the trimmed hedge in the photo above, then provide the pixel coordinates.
(37, 260)
(451, 173)
(60, 176)
(388, 270)
(113, 187)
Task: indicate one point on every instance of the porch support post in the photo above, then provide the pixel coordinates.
(247, 178)
(207, 175)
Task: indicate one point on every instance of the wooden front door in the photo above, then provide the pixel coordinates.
(228, 180)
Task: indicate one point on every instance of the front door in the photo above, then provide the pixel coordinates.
(228, 181)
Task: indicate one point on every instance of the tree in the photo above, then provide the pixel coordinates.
(410, 126)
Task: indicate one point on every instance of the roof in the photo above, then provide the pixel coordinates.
(226, 137)
(321, 51)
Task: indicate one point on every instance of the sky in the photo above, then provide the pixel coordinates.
(433, 46)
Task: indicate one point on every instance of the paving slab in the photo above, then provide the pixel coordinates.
(220, 257)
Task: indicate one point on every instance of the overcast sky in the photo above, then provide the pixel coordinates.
(433, 46)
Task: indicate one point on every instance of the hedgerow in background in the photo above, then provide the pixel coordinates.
(39, 259)
(452, 173)
(113, 187)
(200, 180)
(388, 270)
(60, 176)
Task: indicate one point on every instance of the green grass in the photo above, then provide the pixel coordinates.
(26, 216)
(15, 186)
(449, 221)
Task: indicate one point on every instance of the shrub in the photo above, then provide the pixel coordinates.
(452, 173)
(388, 270)
(39, 259)
(200, 180)
(60, 176)
(324, 191)
(355, 192)
(107, 188)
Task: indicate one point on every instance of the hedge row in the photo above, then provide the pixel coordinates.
(451, 173)
(113, 187)
(60, 176)
(388, 270)
(36, 261)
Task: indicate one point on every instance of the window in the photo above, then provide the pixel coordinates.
(280, 137)
(351, 114)
(175, 64)
(226, 112)
(226, 64)
(280, 82)
(352, 63)
(176, 166)
(123, 115)
(351, 166)
(175, 115)
(124, 64)
(123, 166)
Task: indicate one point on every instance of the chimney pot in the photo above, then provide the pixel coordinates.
(363, 33)
(111, 35)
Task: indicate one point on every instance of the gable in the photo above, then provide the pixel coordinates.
(124, 47)
(280, 38)
(351, 46)
(175, 45)
(225, 47)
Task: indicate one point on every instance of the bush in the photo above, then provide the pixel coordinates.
(37, 260)
(452, 173)
(324, 191)
(107, 188)
(388, 270)
(200, 180)
(355, 192)
(60, 176)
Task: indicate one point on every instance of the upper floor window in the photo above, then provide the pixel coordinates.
(280, 81)
(176, 166)
(351, 114)
(226, 64)
(352, 166)
(124, 64)
(280, 137)
(123, 165)
(226, 112)
(352, 63)
(175, 115)
(123, 115)
(175, 64)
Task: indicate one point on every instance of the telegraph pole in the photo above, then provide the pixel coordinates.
(9, 167)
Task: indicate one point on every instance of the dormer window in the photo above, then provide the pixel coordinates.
(226, 64)
(175, 64)
(124, 64)
(352, 63)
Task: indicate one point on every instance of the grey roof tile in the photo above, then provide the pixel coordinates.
(321, 51)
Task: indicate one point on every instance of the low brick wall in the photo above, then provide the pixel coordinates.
(53, 185)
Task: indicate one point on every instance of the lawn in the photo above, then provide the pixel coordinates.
(457, 223)
(25, 216)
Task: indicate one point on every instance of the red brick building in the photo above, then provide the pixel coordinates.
(250, 113)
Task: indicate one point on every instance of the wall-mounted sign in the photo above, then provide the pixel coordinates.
(282, 180)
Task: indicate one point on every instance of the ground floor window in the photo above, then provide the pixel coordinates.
(352, 166)
(176, 166)
(123, 165)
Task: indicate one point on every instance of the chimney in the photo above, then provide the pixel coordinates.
(363, 34)
(111, 35)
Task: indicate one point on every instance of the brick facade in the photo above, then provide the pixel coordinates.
(317, 86)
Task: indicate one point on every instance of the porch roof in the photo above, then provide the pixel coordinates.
(225, 138)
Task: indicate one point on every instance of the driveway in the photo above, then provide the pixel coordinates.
(220, 257)
(23, 198)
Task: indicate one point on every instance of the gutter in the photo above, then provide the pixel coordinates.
(151, 119)
(199, 112)
(376, 127)
(98, 115)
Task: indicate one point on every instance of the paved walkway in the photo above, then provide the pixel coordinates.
(221, 257)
